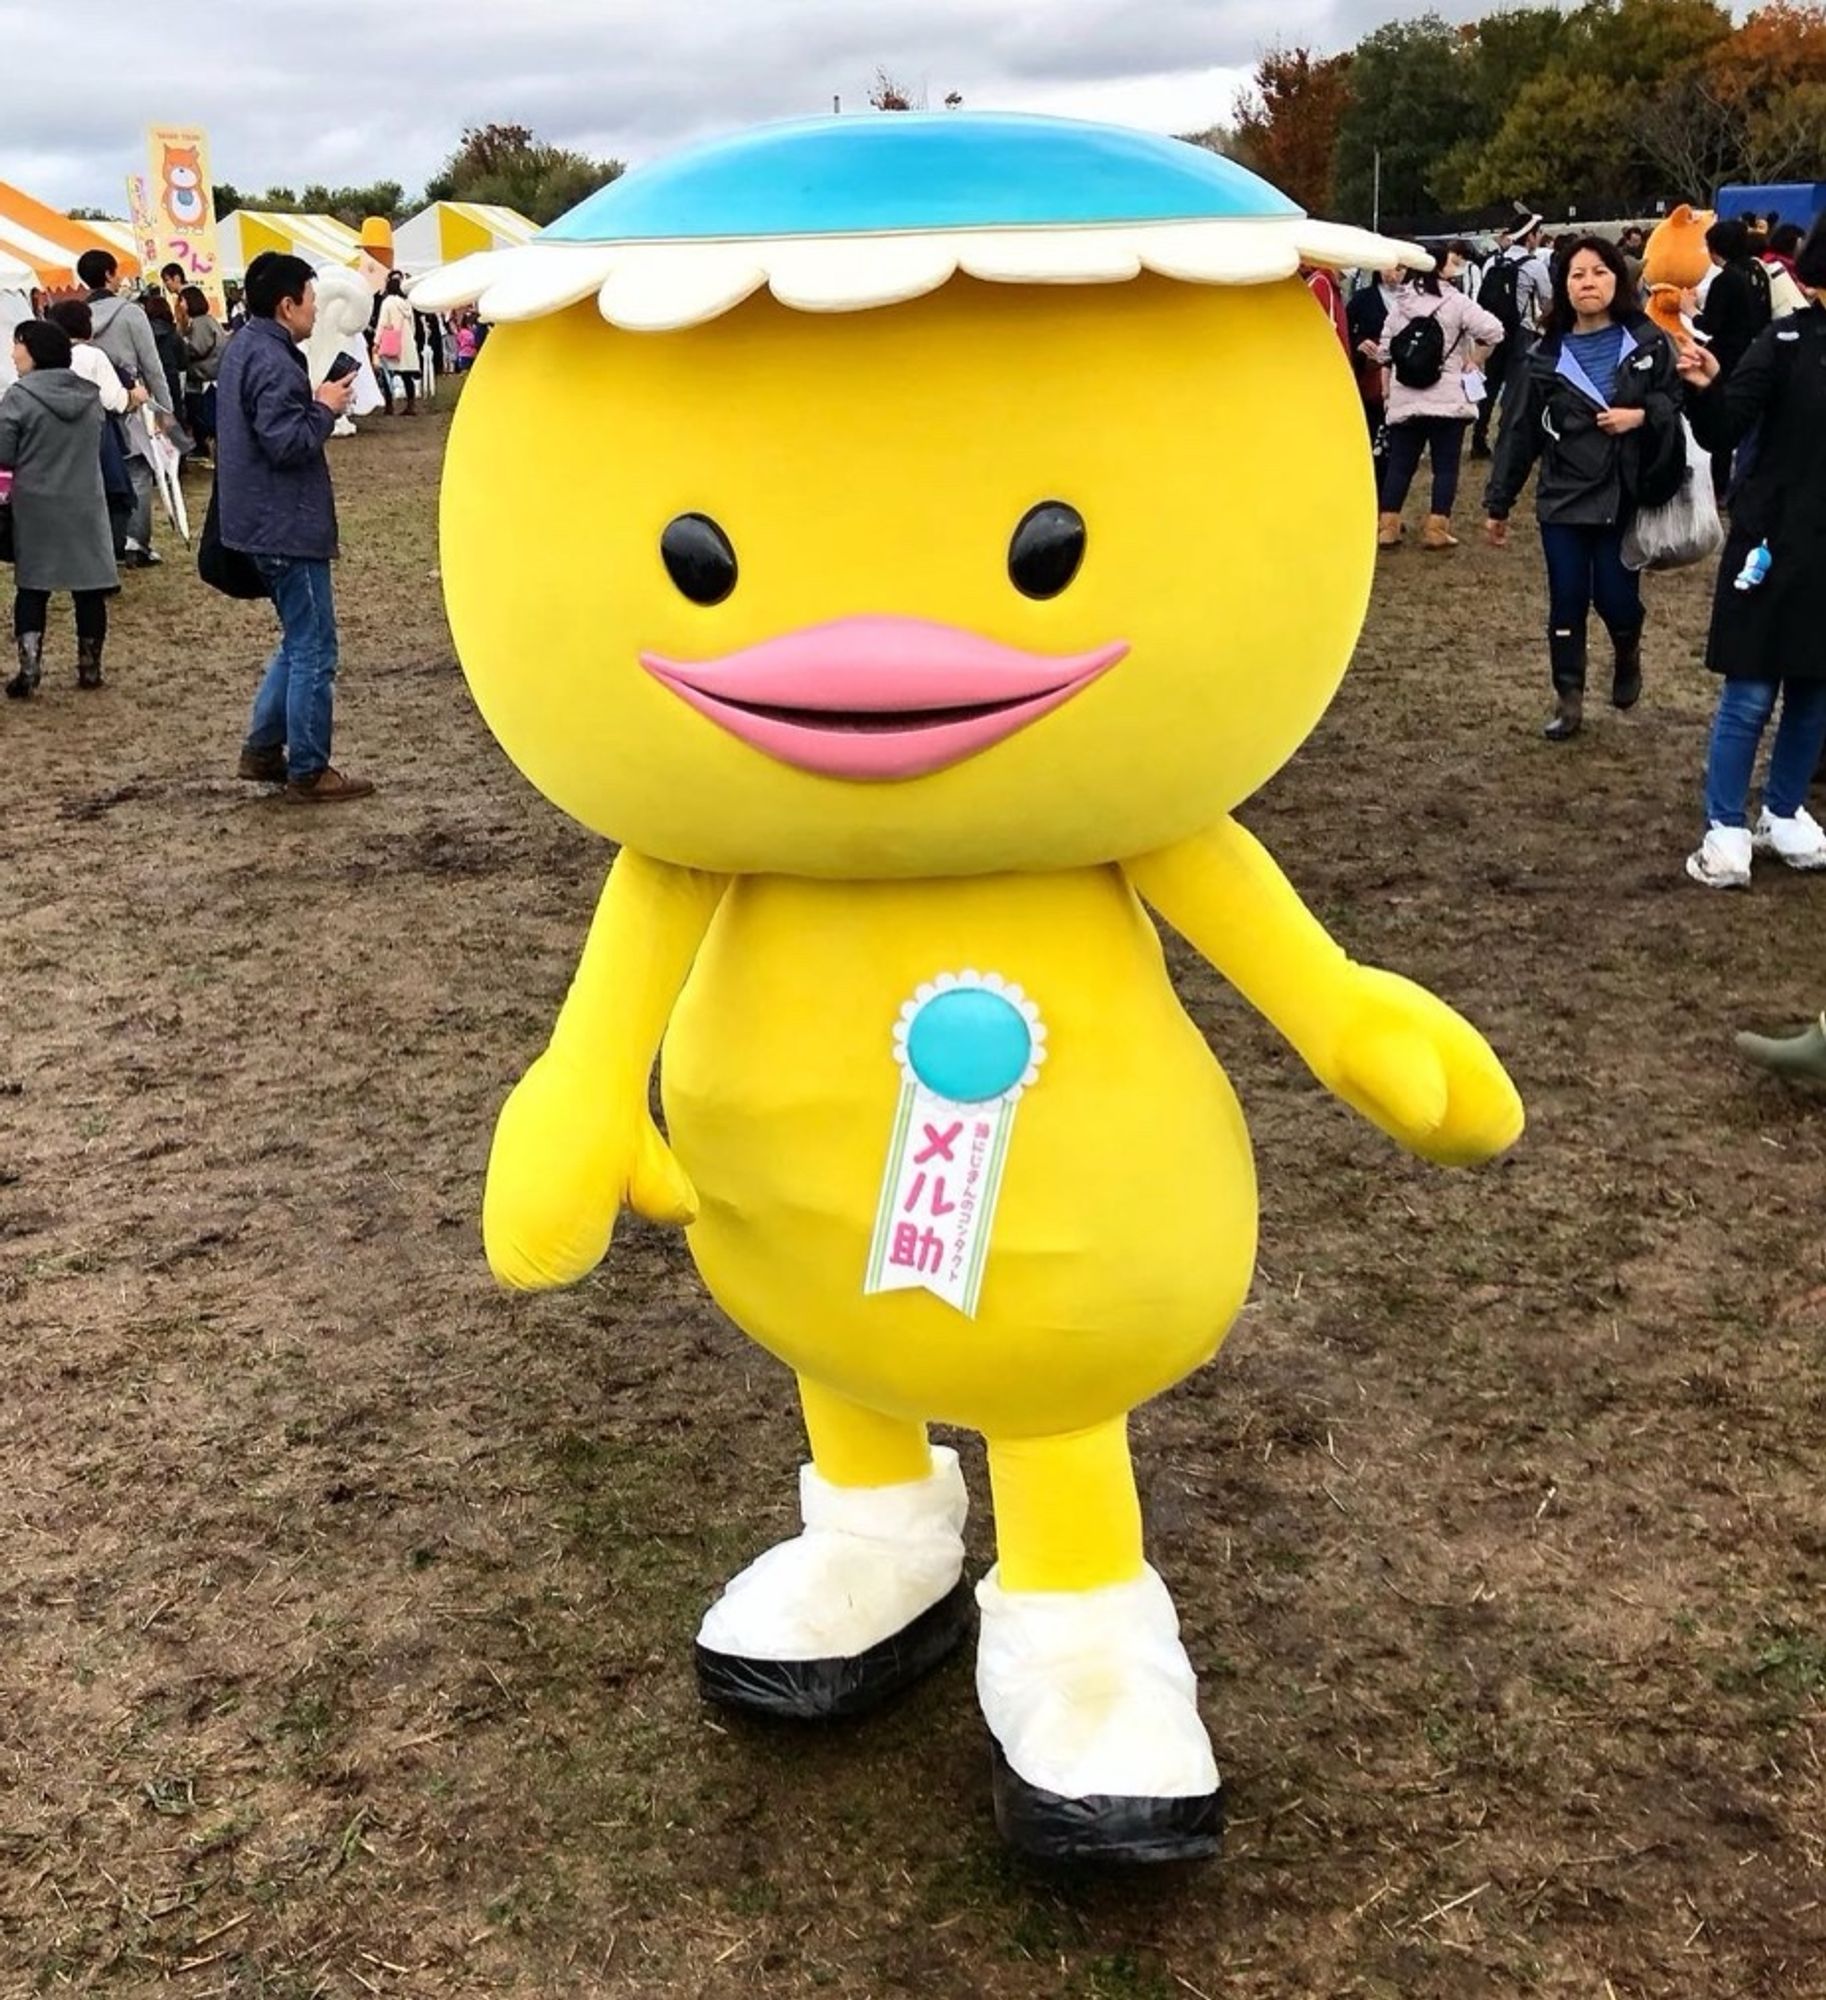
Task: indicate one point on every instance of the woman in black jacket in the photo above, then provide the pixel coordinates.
(1768, 636)
(1736, 310)
(170, 344)
(1598, 403)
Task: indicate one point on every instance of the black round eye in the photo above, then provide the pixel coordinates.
(1047, 548)
(698, 558)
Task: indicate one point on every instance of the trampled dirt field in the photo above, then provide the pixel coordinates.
(346, 1604)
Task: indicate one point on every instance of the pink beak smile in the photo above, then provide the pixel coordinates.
(879, 697)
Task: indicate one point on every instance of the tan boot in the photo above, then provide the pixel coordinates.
(1437, 534)
(1388, 532)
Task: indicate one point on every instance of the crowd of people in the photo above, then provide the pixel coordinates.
(1550, 345)
(106, 381)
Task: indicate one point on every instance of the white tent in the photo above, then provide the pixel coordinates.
(448, 230)
(320, 240)
(16, 283)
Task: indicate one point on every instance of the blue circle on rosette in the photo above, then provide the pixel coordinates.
(969, 1044)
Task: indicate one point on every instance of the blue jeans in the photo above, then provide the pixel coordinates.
(1585, 568)
(298, 689)
(1744, 709)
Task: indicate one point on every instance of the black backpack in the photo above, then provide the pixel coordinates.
(1418, 353)
(1499, 293)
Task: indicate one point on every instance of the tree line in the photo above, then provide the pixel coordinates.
(506, 166)
(1640, 101)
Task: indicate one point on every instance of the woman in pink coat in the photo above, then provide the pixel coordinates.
(1433, 344)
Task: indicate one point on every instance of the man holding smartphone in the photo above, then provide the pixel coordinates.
(278, 507)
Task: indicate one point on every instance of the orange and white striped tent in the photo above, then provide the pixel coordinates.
(50, 243)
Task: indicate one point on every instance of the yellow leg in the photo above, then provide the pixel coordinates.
(1066, 1512)
(852, 1446)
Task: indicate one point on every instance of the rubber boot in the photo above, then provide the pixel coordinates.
(1437, 534)
(88, 663)
(1388, 531)
(1802, 1055)
(31, 666)
(1566, 650)
(1626, 681)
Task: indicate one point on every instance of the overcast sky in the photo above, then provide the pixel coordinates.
(292, 93)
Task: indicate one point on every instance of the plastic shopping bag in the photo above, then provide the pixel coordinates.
(1683, 530)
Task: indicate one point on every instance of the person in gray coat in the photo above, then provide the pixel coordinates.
(124, 335)
(50, 440)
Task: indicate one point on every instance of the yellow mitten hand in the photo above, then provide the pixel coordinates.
(560, 1172)
(1421, 1073)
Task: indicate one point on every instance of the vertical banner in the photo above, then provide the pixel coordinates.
(145, 231)
(183, 210)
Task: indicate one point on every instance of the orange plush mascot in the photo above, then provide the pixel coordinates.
(1673, 262)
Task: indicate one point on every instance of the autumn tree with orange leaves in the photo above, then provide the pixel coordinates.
(1287, 121)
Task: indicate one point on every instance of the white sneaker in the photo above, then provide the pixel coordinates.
(1094, 1709)
(846, 1614)
(1799, 840)
(1722, 860)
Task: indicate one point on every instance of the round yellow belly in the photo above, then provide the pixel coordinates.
(1124, 1239)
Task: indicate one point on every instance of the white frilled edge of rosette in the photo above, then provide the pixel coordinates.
(659, 287)
(987, 982)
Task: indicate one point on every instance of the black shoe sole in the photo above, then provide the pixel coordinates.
(21, 689)
(1626, 694)
(1103, 1828)
(826, 1690)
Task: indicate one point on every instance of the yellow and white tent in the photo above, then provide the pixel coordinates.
(448, 230)
(320, 240)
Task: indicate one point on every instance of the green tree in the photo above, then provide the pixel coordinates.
(1287, 123)
(1642, 42)
(1563, 133)
(509, 167)
(1410, 101)
(352, 205)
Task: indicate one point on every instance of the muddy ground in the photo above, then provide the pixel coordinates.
(346, 1604)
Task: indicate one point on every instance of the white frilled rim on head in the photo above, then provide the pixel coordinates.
(657, 287)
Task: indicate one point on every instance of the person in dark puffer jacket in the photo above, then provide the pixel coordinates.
(1768, 634)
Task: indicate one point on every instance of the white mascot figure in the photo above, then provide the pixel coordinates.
(345, 300)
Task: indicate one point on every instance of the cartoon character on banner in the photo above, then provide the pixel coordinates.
(900, 747)
(345, 301)
(181, 188)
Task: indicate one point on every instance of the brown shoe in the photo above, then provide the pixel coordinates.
(327, 787)
(1389, 531)
(1437, 534)
(262, 767)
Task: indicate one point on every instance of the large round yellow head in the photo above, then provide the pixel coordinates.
(1002, 576)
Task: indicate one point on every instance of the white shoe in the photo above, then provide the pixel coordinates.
(1722, 860)
(846, 1614)
(1799, 840)
(1094, 1709)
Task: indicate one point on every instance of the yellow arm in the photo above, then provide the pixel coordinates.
(1392, 1051)
(575, 1141)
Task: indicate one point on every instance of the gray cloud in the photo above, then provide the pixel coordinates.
(291, 93)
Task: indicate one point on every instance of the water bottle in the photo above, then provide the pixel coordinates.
(1756, 567)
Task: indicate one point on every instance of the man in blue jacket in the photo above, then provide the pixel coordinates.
(276, 505)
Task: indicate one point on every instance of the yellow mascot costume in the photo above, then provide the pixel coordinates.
(881, 529)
